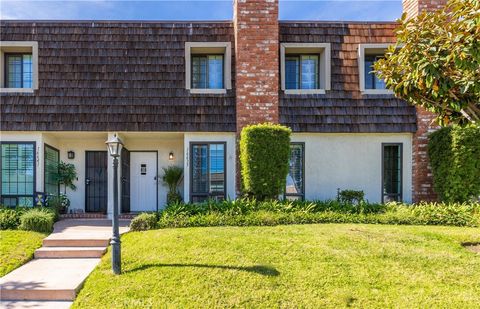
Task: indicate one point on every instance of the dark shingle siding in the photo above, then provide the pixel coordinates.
(124, 76)
(343, 108)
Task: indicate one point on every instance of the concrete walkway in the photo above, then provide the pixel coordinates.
(53, 278)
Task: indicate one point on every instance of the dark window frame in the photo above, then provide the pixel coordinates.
(302, 195)
(208, 194)
(399, 194)
(192, 56)
(45, 166)
(34, 172)
(299, 55)
(6, 80)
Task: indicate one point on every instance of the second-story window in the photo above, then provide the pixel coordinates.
(301, 72)
(207, 72)
(372, 81)
(18, 73)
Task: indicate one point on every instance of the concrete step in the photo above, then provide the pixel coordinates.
(47, 279)
(69, 252)
(59, 242)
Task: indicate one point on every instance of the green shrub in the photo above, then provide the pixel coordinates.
(351, 196)
(38, 220)
(172, 176)
(264, 156)
(244, 212)
(454, 154)
(9, 219)
(144, 221)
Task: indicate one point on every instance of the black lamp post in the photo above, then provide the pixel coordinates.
(114, 146)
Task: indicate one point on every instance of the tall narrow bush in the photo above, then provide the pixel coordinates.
(454, 154)
(264, 155)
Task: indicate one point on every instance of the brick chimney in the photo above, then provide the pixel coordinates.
(422, 181)
(257, 64)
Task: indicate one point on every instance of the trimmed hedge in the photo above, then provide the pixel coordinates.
(38, 220)
(264, 156)
(454, 154)
(248, 212)
(143, 222)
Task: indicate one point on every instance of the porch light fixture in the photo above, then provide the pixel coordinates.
(114, 146)
(71, 154)
(171, 156)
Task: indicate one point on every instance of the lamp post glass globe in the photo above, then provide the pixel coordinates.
(114, 146)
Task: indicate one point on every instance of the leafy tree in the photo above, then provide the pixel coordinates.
(66, 175)
(436, 62)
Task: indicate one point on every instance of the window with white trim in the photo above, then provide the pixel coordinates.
(208, 67)
(368, 54)
(18, 66)
(305, 68)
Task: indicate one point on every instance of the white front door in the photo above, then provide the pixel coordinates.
(143, 181)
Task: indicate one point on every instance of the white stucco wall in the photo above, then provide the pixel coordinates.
(350, 161)
(230, 166)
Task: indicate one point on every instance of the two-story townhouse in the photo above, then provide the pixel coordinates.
(179, 93)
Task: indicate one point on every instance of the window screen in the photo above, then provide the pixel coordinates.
(18, 173)
(295, 188)
(392, 172)
(51, 160)
(18, 70)
(207, 171)
(301, 72)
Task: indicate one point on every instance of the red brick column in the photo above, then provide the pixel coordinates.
(256, 64)
(422, 182)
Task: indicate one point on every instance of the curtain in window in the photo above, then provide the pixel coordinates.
(18, 174)
(51, 159)
(294, 184)
(207, 72)
(392, 173)
(309, 72)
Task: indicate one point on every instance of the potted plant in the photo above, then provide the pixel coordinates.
(66, 175)
(172, 176)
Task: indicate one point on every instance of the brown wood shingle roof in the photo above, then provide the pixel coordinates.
(125, 76)
(343, 108)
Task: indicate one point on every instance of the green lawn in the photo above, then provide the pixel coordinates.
(310, 266)
(16, 248)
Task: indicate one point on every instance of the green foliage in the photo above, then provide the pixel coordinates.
(66, 175)
(59, 203)
(10, 217)
(38, 220)
(351, 196)
(454, 154)
(247, 212)
(172, 176)
(144, 221)
(264, 156)
(437, 62)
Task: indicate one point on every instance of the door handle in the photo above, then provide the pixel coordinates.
(124, 180)
(87, 181)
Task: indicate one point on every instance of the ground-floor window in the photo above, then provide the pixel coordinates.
(295, 186)
(391, 172)
(208, 172)
(51, 160)
(18, 173)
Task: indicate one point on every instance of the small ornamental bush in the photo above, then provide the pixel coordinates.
(144, 221)
(264, 156)
(10, 217)
(38, 220)
(454, 154)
